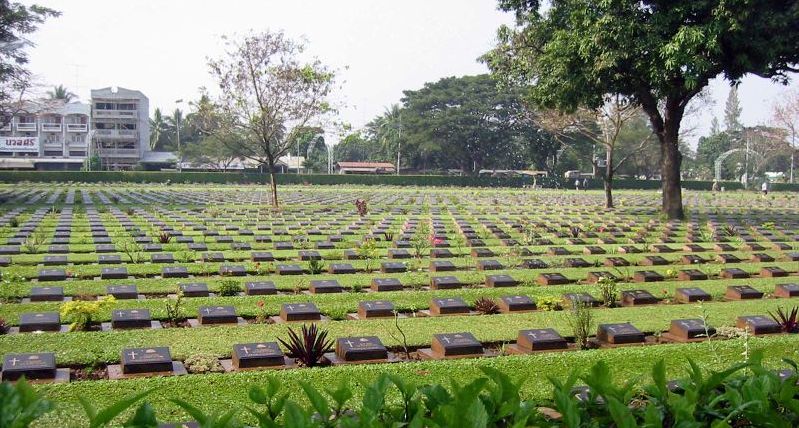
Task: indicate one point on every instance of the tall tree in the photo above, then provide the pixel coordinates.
(268, 95)
(60, 92)
(602, 127)
(465, 123)
(389, 126)
(658, 53)
(732, 112)
(786, 115)
(159, 129)
(16, 21)
(714, 126)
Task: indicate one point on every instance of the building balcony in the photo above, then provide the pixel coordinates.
(116, 133)
(50, 127)
(115, 113)
(118, 153)
(26, 126)
(77, 127)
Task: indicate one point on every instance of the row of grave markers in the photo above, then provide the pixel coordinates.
(308, 311)
(369, 349)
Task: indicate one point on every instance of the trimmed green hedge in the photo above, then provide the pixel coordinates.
(325, 179)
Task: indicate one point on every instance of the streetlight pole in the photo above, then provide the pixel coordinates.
(399, 143)
(177, 122)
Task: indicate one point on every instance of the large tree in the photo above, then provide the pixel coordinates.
(602, 127)
(786, 116)
(466, 123)
(268, 94)
(658, 53)
(16, 21)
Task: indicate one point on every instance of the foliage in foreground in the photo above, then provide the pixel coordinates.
(745, 394)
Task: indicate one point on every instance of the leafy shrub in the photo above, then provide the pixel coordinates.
(581, 320)
(368, 252)
(742, 395)
(229, 287)
(728, 332)
(486, 306)
(203, 363)
(82, 312)
(34, 242)
(174, 308)
(261, 316)
(316, 266)
(609, 290)
(13, 222)
(309, 348)
(361, 206)
(547, 303)
(20, 405)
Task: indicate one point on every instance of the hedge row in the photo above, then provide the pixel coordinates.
(325, 179)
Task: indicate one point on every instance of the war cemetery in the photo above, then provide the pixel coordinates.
(576, 237)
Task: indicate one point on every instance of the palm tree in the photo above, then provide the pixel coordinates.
(175, 123)
(159, 128)
(60, 92)
(389, 128)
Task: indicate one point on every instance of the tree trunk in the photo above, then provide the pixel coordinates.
(608, 178)
(667, 129)
(670, 162)
(273, 186)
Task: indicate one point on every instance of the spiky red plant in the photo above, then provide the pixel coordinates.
(486, 306)
(309, 348)
(789, 321)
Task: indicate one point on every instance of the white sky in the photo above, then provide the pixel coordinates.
(380, 47)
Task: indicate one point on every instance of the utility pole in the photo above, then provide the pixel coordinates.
(793, 150)
(399, 142)
(177, 120)
(746, 161)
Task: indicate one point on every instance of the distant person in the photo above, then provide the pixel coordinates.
(764, 187)
(577, 184)
(715, 187)
(585, 184)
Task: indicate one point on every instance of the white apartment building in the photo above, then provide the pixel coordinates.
(120, 126)
(46, 134)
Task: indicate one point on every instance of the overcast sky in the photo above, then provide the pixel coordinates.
(381, 47)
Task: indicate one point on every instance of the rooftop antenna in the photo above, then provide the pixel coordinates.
(77, 67)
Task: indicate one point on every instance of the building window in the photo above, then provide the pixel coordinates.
(126, 106)
(53, 153)
(131, 126)
(77, 153)
(104, 106)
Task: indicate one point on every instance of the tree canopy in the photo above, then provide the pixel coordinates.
(658, 53)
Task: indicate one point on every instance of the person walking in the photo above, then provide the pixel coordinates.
(585, 184)
(764, 187)
(577, 184)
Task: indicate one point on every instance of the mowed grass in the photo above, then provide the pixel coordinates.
(229, 390)
(501, 206)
